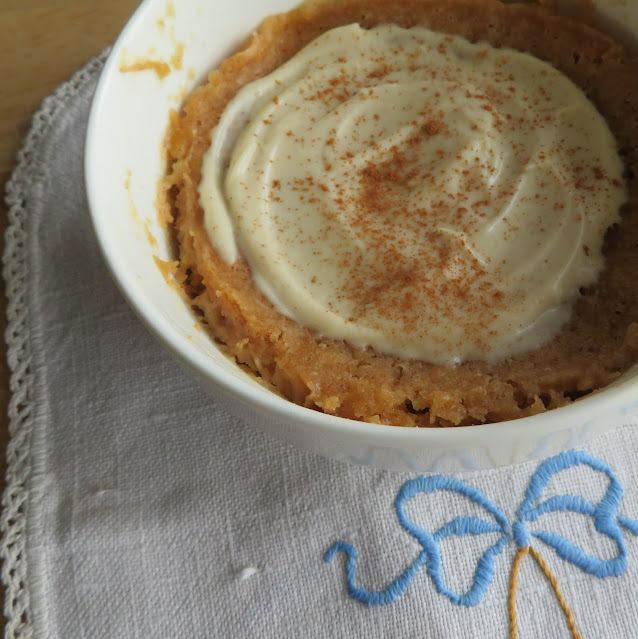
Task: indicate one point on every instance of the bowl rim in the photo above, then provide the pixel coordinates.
(602, 402)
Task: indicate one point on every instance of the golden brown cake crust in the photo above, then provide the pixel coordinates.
(594, 348)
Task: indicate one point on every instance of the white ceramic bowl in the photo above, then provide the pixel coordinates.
(124, 161)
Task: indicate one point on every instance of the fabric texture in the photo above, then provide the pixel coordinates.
(136, 507)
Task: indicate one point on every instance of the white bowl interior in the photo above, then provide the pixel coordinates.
(124, 162)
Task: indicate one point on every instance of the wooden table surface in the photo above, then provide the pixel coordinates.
(42, 42)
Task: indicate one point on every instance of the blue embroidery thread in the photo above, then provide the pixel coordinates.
(604, 514)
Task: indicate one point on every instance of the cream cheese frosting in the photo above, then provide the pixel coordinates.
(414, 192)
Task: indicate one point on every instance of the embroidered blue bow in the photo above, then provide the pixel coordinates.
(604, 514)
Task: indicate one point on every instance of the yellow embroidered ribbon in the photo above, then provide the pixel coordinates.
(552, 580)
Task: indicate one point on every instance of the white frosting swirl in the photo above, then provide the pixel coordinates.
(416, 193)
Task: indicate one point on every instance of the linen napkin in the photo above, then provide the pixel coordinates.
(136, 507)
